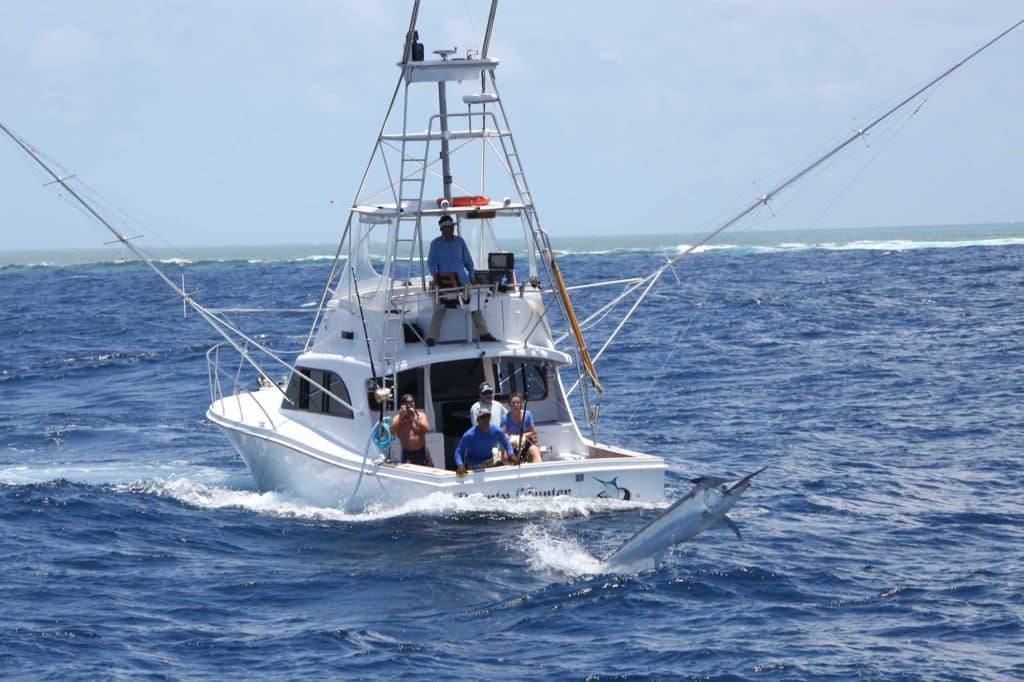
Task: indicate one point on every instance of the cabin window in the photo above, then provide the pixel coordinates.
(316, 395)
(336, 386)
(298, 391)
(520, 377)
(302, 394)
(456, 380)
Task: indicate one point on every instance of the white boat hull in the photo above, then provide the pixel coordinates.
(336, 478)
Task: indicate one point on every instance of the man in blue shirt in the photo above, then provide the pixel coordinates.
(477, 445)
(449, 253)
(451, 266)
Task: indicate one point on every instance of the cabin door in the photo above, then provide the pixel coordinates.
(454, 387)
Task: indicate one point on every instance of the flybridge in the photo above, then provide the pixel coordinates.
(446, 69)
(385, 212)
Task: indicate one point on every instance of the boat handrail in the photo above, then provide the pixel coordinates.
(435, 70)
(387, 212)
(215, 371)
(483, 133)
(304, 311)
(412, 292)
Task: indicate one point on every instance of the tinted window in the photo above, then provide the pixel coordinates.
(521, 377)
(338, 388)
(458, 379)
(298, 391)
(304, 395)
(316, 395)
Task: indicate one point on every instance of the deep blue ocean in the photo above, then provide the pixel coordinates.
(883, 386)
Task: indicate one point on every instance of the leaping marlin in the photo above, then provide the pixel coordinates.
(704, 506)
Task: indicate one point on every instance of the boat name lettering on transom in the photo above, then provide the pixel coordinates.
(524, 492)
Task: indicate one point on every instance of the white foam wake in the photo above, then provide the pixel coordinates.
(214, 488)
(219, 496)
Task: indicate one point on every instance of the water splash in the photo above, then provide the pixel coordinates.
(546, 552)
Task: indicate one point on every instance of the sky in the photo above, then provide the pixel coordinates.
(220, 123)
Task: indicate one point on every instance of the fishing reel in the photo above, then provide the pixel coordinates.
(382, 394)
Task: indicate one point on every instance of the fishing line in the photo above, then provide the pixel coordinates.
(231, 334)
(472, 24)
(882, 146)
(650, 391)
(794, 179)
(656, 379)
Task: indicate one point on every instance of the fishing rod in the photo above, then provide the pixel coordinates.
(230, 332)
(763, 200)
(524, 445)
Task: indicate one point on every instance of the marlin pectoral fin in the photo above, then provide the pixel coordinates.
(732, 525)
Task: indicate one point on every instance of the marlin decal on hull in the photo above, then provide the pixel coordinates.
(704, 506)
(610, 489)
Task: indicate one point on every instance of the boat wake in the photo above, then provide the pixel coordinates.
(214, 488)
(281, 504)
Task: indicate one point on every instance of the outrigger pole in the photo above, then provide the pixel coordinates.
(763, 200)
(220, 325)
(490, 28)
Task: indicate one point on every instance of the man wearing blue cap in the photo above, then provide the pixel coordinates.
(476, 449)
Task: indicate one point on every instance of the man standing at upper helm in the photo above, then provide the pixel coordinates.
(451, 266)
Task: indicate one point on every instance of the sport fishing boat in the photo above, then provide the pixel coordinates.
(390, 322)
(445, 149)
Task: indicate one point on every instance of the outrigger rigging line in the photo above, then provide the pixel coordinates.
(763, 200)
(230, 332)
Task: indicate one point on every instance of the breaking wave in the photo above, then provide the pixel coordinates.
(861, 239)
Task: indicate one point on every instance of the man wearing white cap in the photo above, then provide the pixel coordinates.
(451, 266)
(498, 411)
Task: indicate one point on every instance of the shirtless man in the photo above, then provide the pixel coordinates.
(410, 426)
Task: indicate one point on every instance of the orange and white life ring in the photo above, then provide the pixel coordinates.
(462, 202)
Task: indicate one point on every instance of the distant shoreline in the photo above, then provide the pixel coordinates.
(862, 237)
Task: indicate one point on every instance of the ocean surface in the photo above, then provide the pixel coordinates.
(881, 380)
